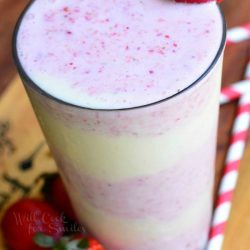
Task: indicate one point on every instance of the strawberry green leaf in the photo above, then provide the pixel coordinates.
(43, 240)
(83, 244)
(62, 244)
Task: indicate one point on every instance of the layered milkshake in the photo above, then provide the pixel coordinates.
(126, 93)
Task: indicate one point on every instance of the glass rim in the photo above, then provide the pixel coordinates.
(24, 76)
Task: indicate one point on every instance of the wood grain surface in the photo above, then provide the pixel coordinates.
(237, 13)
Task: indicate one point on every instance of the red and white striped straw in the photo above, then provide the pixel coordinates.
(234, 91)
(230, 177)
(238, 34)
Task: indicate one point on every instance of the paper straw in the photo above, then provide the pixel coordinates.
(238, 34)
(231, 171)
(234, 91)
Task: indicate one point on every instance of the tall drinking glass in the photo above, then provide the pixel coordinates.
(138, 177)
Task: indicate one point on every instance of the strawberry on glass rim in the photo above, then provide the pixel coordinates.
(197, 1)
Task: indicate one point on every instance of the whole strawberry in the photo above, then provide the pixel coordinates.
(55, 193)
(27, 217)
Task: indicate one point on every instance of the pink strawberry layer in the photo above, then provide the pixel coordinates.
(162, 195)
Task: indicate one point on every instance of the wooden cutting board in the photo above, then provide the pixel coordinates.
(24, 156)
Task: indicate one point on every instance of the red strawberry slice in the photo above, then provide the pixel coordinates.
(27, 217)
(197, 1)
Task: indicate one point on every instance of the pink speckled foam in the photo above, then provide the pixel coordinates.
(117, 53)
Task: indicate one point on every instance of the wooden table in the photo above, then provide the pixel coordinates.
(236, 12)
